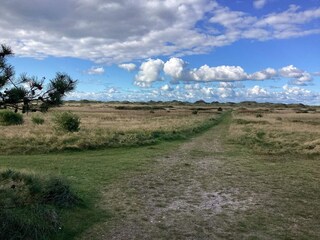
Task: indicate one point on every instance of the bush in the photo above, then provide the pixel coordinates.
(58, 193)
(37, 120)
(67, 121)
(259, 115)
(195, 112)
(10, 118)
(30, 205)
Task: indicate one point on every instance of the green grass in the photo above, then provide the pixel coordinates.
(284, 187)
(30, 205)
(89, 173)
(287, 185)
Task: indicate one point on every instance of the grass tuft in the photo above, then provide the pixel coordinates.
(8, 117)
(30, 205)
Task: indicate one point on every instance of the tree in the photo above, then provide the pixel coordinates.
(27, 93)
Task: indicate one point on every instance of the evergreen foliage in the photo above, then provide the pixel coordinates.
(28, 93)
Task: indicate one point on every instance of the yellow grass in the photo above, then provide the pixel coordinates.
(100, 123)
(279, 131)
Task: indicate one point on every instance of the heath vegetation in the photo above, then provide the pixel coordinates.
(78, 126)
(277, 131)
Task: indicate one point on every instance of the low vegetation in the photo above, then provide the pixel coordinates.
(8, 117)
(67, 121)
(277, 131)
(30, 205)
(36, 119)
(102, 126)
(253, 176)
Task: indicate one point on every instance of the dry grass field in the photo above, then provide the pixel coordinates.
(104, 125)
(277, 130)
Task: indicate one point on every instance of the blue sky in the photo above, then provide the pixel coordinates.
(259, 50)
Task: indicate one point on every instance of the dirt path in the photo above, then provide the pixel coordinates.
(181, 197)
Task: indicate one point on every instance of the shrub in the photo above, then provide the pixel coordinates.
(30, 205)
(67, 121)
(195, 112)
(10, 118)
(259, 115)
(58, 193)
(37, 120)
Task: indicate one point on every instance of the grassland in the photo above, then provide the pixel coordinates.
(105, 125)
(277, 130)
(252, 176)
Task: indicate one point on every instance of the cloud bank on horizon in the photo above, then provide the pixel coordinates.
(151, 39)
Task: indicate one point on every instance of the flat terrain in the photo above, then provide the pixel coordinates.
(254, 174)
(205, 190)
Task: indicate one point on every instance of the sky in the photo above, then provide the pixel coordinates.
(162, 50)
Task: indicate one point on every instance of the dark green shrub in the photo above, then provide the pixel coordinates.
(58, 193)
(37, 120)
(195, 112)
(30, 205)
(36, 222)
(10, 118)
(259, 115)
(67, 121)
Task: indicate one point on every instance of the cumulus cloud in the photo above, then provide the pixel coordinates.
(295, 90)
(267, 73)
(178, 71)
(257, 91)
(140, 29)
(166, 88)
(149, 72)
(175, 68)
(95, 71)
(298, 76)
(259, 3)
(128, 66)
(220, 73)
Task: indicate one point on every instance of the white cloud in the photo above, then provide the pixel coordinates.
(259, 3)
(298, 76)
(265, 74)
(128, 66)
(140, 29)
(174, 68)
(257, 91)
(295, 90)
(178, 71)
(95, 71)
(220, 73)
(112, 90)
(286, 24)
(166, 88)
(149, 72)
